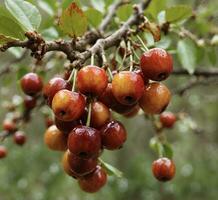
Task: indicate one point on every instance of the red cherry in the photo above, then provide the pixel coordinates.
(167, 119)
(127, 87)
(113, 135)
(29, 102)
(156, 64)
(31, 84)
(163, 169)
(84, 142)
(139, 72)
(155, 99)
(19, 138)
(92, 80)
(9, 125)
(64, 126)
(93, 182)
(68, 106)
(53, 86)
(133, 112)
(3, 152)
(81, 166)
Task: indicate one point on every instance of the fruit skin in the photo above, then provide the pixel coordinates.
(9, 125)
(93, 182)
(167, 119)
(31, 84)
(92, 80)
(55, 139)
(139, 72)
(64, 126)
(127, 87)
(19, 138)
(156, 64)
(133, 112)
(66, 166)
(155, 99)
(84, 142)
(163, 169)
(109, 100)
(113, 135)
(53, 86)
(29, 102)
(68, 106)
(3, 152)
(81, 166)
(100, 114)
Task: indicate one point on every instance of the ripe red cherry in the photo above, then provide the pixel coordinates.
(68, 106)
(3, 152)
(31, 84)
(55, 139)
(19, 138)
(167, 119)
(9, 125)
(155, 99)
(133, 112)
(146, 80)
(64, 126)
(81, 166)
(163, 169)
(53, 86)
(93, 182)
(84, 142)
(156, 64)
(113, 135)
(92, 80)
(100, 114)
(29, 102)
(109, 100)
(127, 87)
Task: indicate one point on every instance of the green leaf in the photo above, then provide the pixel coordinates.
(73, 22)
(212, 55)
(46, 7)
(26, 14)
(66, 3)
(5, 39)
(16, 52)
(187, 54)
(124, 12)
(167, 150)
(155, 7)
(99, 5)
(21, 72)
(50, 34)
(214, 40)
(178, 13)
(111, 170)
(94, 16)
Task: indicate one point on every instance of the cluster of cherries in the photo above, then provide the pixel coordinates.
(83, 125)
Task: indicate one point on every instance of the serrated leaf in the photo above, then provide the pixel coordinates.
(187, 54)
(73, 21)
(124, 12)
(5, 39)
(111, 170)
(25, 13)
(178, 13)
(94, 16)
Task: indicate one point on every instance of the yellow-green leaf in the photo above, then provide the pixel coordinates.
(5, 39)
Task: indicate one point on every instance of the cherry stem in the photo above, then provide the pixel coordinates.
(93, 59)
(110, 74)
(71, 76)
(74, 80)
(130, 56)
(145, 48)
(123, 59)
(135, 54)
(89, 114)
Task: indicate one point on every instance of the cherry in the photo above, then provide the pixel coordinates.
(3, 152)
(156, 64)
(66, 126)
(84, 142)
(92, 80)
(127, 87)
(31, 84)
(81, 166)
(113, 135)
(68, 106)
(100, 114)
(93, 182)
(55, 139)
(155, 99)
(29, 102)
(19, 138)
(167, 119)
(66, 166)
(109, 100)
(163, 169)
(9, 125)
(139, 72)
(133, 112)
(53, 86)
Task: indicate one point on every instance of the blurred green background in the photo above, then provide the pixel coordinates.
(34, 172)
